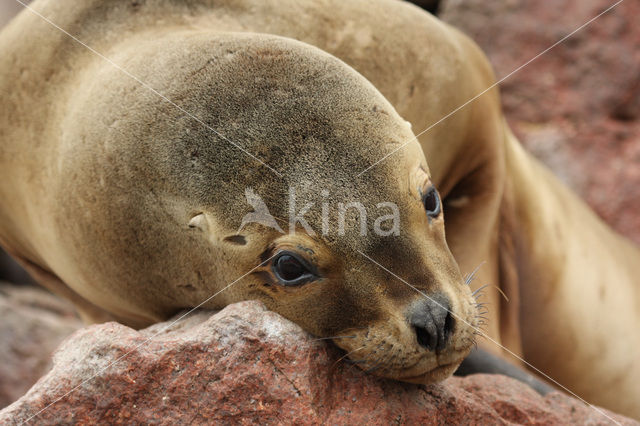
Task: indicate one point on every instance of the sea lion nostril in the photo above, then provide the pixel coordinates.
(427, 339)
(433, 322)
(447, 330)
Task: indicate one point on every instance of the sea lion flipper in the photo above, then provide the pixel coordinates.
(481, 361)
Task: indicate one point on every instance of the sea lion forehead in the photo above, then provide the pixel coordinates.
(268, 90)
(254, 111)
(304, 113)
(300, 98)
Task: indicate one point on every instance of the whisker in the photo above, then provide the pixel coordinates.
(374, 368)
(479, 289)
(393, 357)
(502, 293)
(334, 337)
(372, 353)
(346, 355)
(362, 327)
(470, 277)
(379, 362)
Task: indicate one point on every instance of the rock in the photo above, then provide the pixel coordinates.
(34, 322)
(577, 107)
(244, 365)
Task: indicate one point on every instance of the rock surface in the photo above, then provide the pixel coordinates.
(33, 324)
(577, 107)
(244, 365)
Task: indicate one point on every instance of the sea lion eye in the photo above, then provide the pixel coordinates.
(431, 202)
(290, 269)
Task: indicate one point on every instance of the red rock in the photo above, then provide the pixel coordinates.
(577, 107)
(249, 365)
(34, 322)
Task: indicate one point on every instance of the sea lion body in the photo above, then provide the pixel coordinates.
(112, 198)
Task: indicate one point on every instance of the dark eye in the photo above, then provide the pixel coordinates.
(290, 270)
(431, 202)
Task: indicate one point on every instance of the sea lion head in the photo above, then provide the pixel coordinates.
(244, 181)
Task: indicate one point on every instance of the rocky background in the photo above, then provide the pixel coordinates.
(33, 323)
(576, 108)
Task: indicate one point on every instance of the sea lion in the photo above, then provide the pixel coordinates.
(125, 181)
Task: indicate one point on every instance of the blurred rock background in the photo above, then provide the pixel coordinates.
(577, 107)
(34, 322)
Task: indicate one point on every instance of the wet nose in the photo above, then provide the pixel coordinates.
(432, 320)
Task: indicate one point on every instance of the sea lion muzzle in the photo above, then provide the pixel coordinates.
(433, 322)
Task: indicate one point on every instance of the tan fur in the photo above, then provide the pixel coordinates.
(100, 178)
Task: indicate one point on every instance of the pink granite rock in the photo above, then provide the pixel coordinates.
(249, 365)
(33, 324)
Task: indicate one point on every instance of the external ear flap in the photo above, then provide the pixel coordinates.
(239, 240)
(203, 223)
(199, 221)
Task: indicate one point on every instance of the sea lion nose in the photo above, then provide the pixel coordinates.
(432, 321)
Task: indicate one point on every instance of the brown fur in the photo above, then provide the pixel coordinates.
(101, 177)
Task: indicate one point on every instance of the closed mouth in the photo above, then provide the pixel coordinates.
(436, 374)
(433, 371)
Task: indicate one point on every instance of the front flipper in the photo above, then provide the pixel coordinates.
(89, 312)
(481, 361)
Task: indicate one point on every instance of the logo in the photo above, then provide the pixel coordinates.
(383, 225)
(260, 213)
